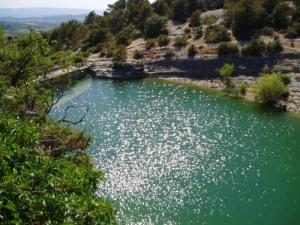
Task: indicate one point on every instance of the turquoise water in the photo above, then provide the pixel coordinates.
(176, 154)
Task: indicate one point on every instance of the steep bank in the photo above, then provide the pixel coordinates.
(200, 71)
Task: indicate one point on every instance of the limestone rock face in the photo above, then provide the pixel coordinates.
(105, 68)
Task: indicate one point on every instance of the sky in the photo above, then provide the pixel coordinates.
(81, 4)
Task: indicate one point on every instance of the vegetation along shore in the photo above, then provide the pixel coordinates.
(246, 48)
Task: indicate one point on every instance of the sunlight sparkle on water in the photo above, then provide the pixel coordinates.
(175, 155)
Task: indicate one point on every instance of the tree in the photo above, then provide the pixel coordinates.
(69, 35)
(195, 19)
(282, 15)
(24, 57)
(246, 16)
(180, 10)
(42, 184)
(90, 18)
(2, 38)
(269, 89)
(216, 34)
(161, 8)
(97, 35)
(192, 51)
(226, 72)
(227, 49)
(155, 26)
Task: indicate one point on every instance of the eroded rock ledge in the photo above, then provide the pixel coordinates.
(106, 69)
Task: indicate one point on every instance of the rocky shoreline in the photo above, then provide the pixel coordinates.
(202, 72)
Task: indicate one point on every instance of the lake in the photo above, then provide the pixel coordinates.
(177, 154)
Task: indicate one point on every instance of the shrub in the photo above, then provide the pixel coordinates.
(122, 40)
(151, 43)
(243, 88)
(169, 54)
(282, 15)
(254, 48)
(180, 10)
(180, 42)
(40, 189)
(192, 51)
(119, 65)
(216, 34)
(269, 89)
(274, 47)
(291, 33)
(267, 31)
(163, 40)
(187, 30)
(138, 54)
(209, 20)
(79, 58)
(120, 54)
(286, 79)
(195, 19)
(227, 49)
(226, 72)
(198, 32)
(155, 26)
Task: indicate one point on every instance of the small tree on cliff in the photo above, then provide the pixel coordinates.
(226, 73)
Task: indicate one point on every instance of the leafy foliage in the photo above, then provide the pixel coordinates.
(227, 49)
(195, 20)
(180, 42)
(269, 89)
(138, 54)
(163, 40)
(216, 34)
(226, 72)
(151, 43)
(254, 48)
(155, 26)
(39, 182)
(192, 51)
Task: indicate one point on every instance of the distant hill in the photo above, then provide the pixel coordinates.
(18, 21)
(42, 12)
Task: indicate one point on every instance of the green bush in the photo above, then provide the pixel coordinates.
(36, 189)
(155, 26)
(274, 47)
(243, 88)
(227, 49)
(169, 54)
(286, 79)
(216, 34)
(79, 58)
(192, 51)
(198, 32)
(138, 54)
(209, 20)
(195, 20)
(267, 31)
(122, 40)
(269, 89)
(255, 48)
(163, 40)
(120, 54)
(180, 10)
(291, 33)
(151, 43)
(187, 30)
(180, 42)
(226, 72)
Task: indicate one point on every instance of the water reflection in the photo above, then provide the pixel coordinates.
(177, 155)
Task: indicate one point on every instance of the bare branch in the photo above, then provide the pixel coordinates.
(65, 120)
(55, 98)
